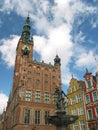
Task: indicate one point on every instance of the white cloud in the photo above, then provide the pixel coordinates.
(7, 48)
(86, 60)
(79, 38)
(94, 22)
(3, 102)
(58, 42)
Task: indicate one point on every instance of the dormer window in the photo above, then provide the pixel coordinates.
(88, 81)
(89, 84)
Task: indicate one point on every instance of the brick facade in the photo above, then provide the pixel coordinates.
(33, 88)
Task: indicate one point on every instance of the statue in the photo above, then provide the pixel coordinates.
(62, 99)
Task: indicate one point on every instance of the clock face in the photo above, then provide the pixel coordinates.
(25, 49)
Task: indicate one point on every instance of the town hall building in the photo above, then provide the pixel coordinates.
(32, 98)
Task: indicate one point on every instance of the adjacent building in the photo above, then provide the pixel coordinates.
(91, 100)
(76, 103)
(32, 99)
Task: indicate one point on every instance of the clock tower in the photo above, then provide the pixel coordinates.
(24, 53)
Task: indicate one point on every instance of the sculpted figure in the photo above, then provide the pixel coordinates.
(62, 99)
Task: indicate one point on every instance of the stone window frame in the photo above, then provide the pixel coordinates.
(37, 117)
(46, 114)
(46, 97)
(27, 116)
(90, 117)
(87, 100)
(37, 96)
(94, 98)
(28, 94)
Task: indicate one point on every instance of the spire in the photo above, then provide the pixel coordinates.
(86, 70)
(87, 73)
(25, 36)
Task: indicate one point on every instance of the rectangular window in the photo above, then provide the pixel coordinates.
(89, 84)
(38, 74)
(37, 96)
(82, 125)
(29, 80)
(74, 112)
(53, 77)
(28, 95)
(97, 112)
(27, 116)
(46, 116)
(37, 117)
(37, 81)
(89, 114)
(46, 82)
(46, 75)
(29, 72)
(73, 100)
(80, 111)
(75, 126)
(73, 89)
(79, 98)
(47, 97)
(95, 96)
(87, 99)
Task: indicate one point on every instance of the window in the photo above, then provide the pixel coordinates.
(29, 72)
(89, 114)
(97, 112)
(94, 96)
(47, 97)
(28, 95)
(80, 111)
(87, 99)
(89, 84)
(29, 79)
(55, 99)
(38, 74)
(46, 116)
(79, 98)
(37, 117)
(75, 126)
(37, 81)
(46, 75)
(72, 100)
(27, 116)
(74, 112)
(54, 84)
(82, 125)
(37, 96)
(73, 89)
(46, 82)
(53, 77)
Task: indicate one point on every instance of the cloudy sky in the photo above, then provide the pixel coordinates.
(68, 28)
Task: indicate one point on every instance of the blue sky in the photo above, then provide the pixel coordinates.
(68, 28)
